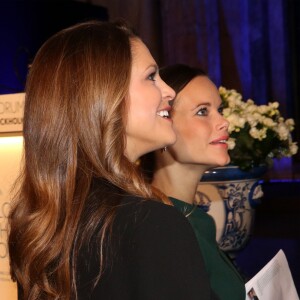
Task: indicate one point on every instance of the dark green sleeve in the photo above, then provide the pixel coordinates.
(224, 278)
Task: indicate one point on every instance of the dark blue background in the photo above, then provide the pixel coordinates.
(25, 25)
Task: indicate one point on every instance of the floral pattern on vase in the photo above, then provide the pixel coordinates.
(230, 196)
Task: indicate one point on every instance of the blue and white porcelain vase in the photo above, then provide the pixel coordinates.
(230, 196)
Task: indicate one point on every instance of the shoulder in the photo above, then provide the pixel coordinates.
(152, 228)
(203, 225)
(132, 209)
(137, 215)
(152, 215)
(161, 251)
(153, 254)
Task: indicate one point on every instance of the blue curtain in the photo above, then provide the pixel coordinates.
(242, 44)
(24, 27)
(248, 45)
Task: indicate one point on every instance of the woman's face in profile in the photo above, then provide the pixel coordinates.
(148, 125)
(199, 125)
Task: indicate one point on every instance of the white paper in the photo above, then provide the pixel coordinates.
(273, 282)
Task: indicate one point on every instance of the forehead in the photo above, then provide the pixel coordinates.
(141, 55)
(199, 90)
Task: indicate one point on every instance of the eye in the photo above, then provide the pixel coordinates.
(152, 76)
(203, 111)
(220, 110)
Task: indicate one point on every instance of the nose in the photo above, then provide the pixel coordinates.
(167, 92)
(223, 124)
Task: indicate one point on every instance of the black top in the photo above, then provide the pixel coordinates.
(156, 255)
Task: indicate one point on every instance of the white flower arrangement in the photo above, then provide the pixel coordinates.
(258, 133)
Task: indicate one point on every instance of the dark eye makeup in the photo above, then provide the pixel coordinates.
(203, 111)
(152, 76)
(220, 109)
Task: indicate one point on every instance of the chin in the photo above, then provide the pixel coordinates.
(221, 162)
(171, 140)
(224, 163)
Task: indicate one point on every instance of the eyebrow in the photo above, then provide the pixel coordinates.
(201, 104)
(155, 66)
(206, 104)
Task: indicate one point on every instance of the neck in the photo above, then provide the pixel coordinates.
(178, 180)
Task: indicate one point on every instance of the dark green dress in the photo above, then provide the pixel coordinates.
(225, 279)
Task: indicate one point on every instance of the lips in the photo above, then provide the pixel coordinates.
(165, 112)
(221, 140)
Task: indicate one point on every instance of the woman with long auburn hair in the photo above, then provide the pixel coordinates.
(84, 223)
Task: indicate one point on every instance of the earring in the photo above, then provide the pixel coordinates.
(164, 149)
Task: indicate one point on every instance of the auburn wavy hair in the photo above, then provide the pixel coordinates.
(73, 131)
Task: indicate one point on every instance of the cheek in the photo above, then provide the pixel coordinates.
(140, 108)
(147, 101)
(195, 134)
(186, 142)
(189, 144)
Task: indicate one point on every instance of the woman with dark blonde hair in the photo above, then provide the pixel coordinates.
(202, 132)
(84, 223)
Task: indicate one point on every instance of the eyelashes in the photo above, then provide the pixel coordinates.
(152, 76)
(203, 111)
(220, 110)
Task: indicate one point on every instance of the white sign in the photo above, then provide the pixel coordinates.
(11, 112)
(11, 149)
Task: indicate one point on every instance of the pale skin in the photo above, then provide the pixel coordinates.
(149, 126)
(201, 132)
